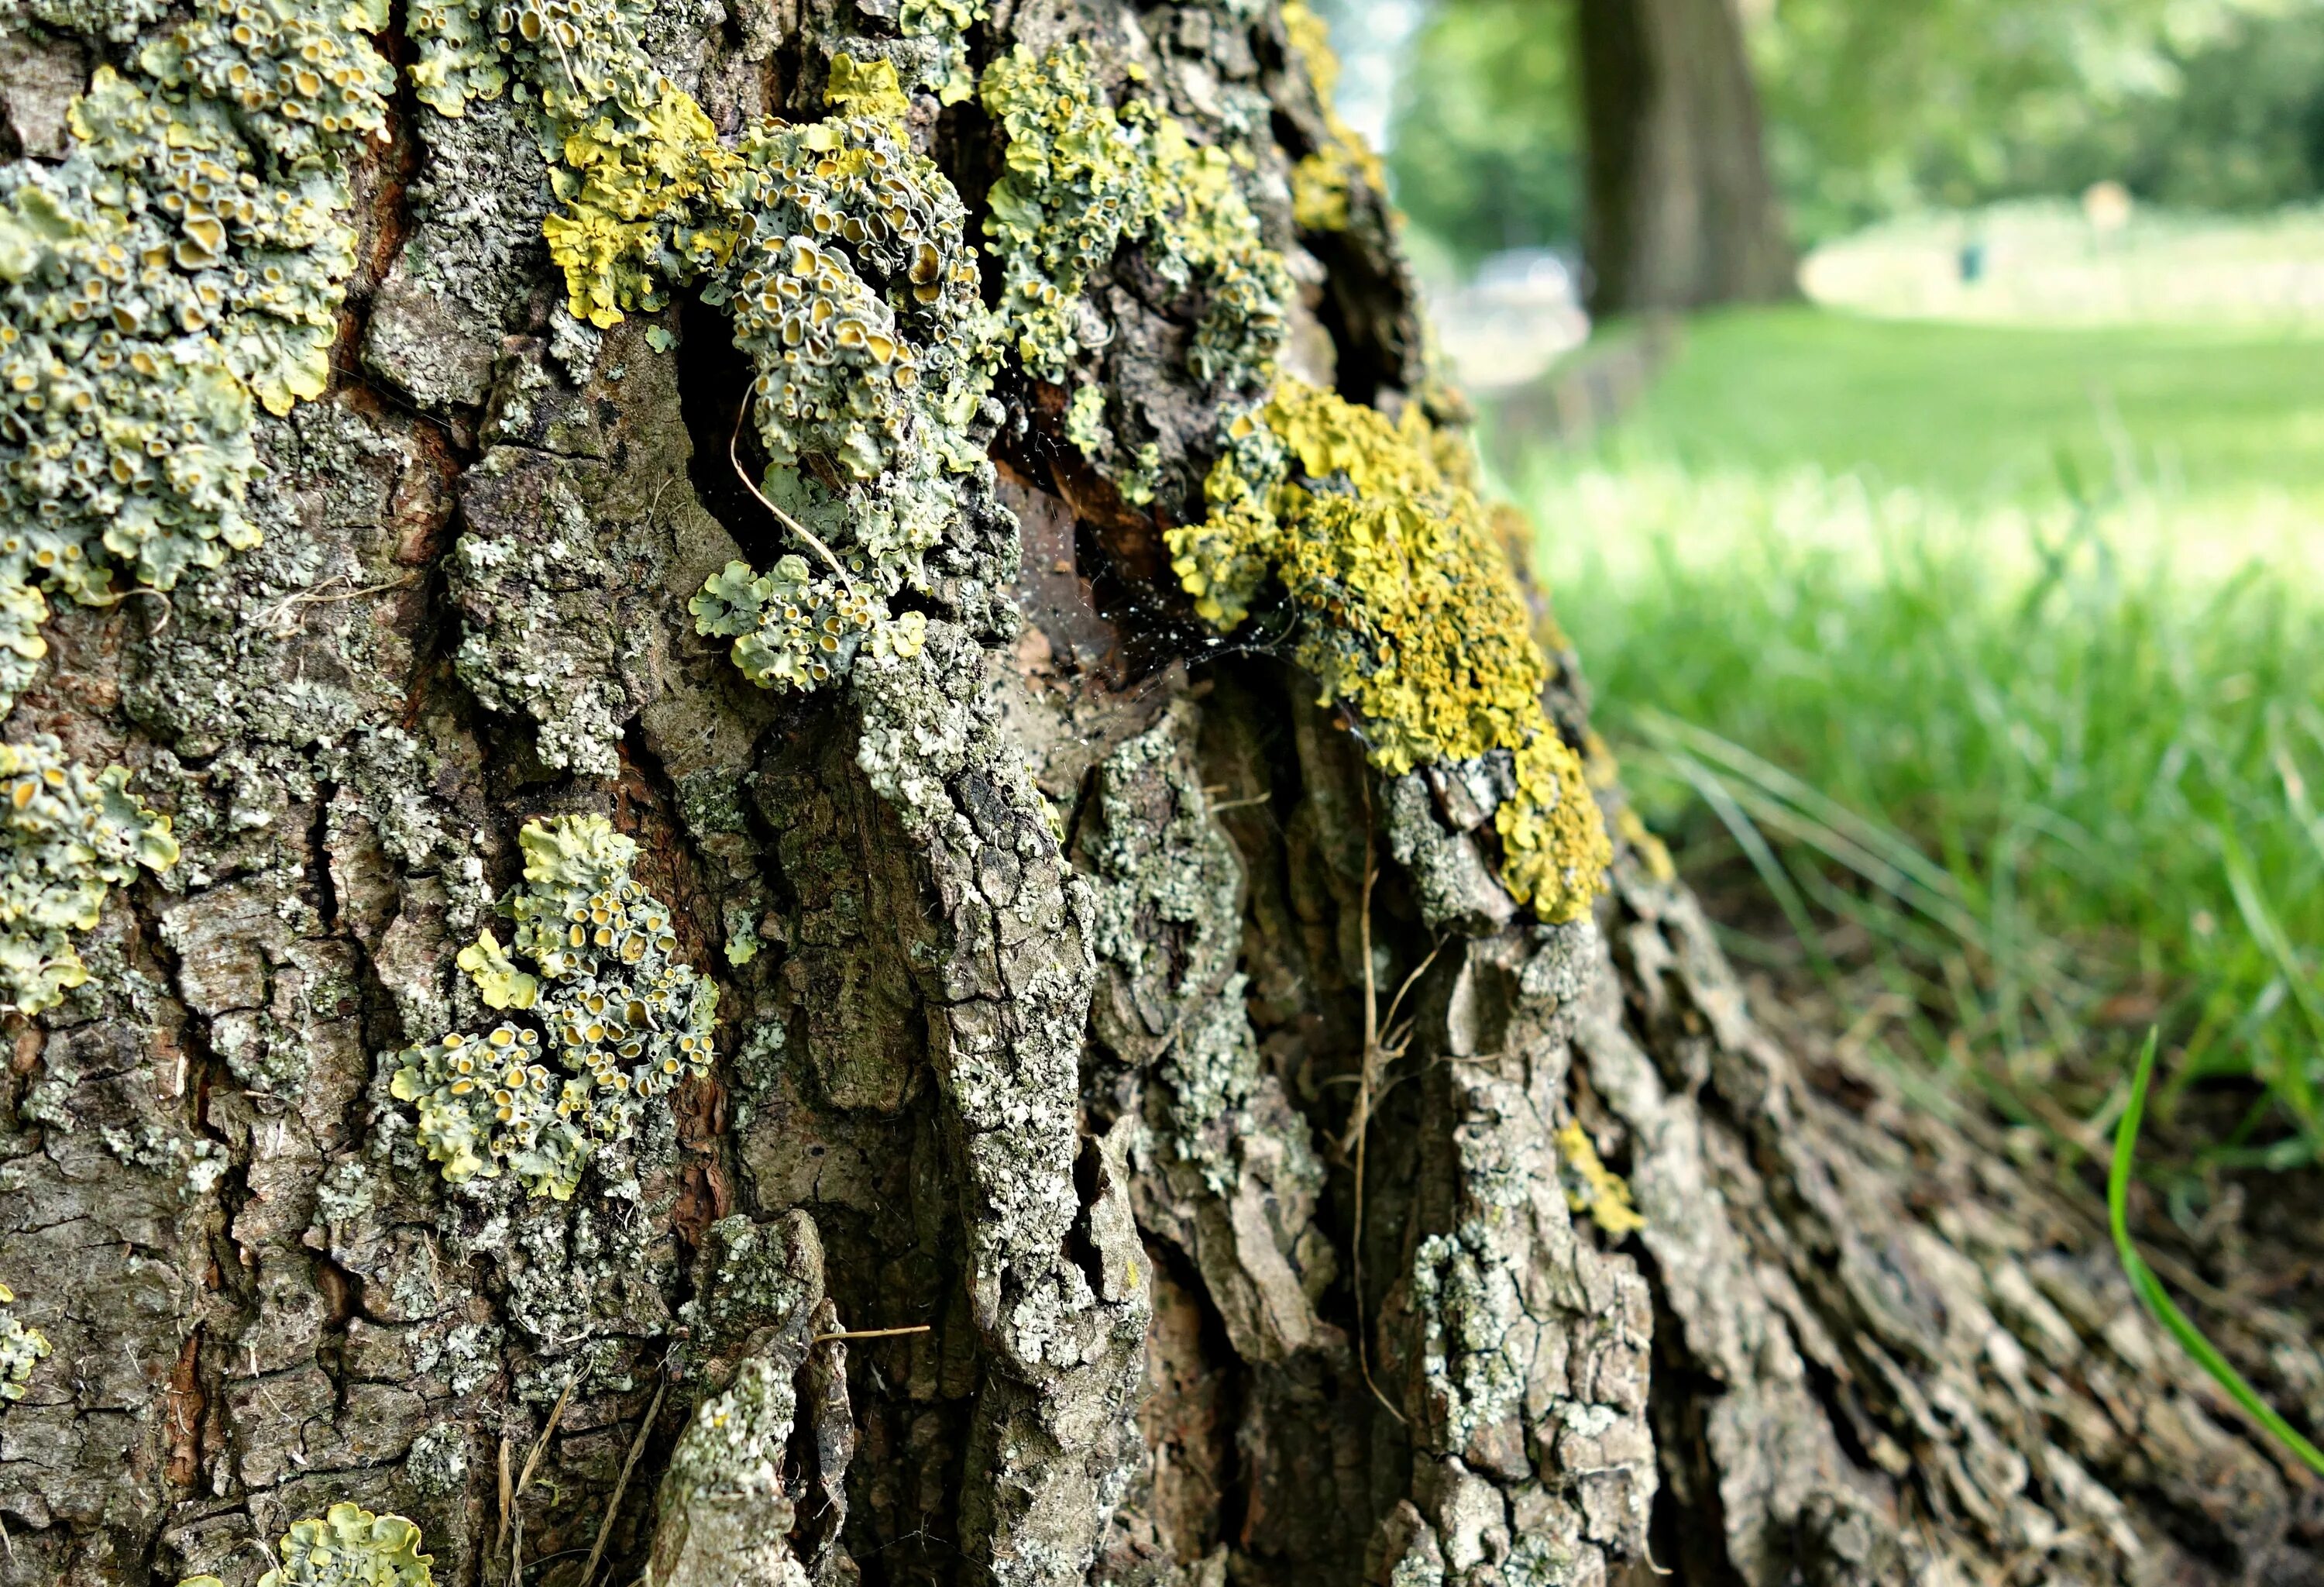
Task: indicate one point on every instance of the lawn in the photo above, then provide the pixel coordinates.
(1979, 664)
(2215, 415)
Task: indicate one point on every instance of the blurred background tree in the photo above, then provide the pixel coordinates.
(1871, 109)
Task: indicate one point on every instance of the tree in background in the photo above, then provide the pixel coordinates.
(1869, 110)
(1679, 212)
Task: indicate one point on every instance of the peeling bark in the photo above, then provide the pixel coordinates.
(1043, 992)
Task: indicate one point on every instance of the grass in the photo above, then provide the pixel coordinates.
(1991, 656)
(2044, 264)
(2222, 418)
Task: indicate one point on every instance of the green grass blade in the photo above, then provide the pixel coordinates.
(2158, 1301)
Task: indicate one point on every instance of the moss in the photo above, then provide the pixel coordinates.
(624, 1017)
(67, 836)
(1324, 182)
(1083, 179)
(348, 1546)
(20, 1349)
(1408, 613)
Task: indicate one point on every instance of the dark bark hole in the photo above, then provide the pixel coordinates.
(713, 384)
(1687, 1533)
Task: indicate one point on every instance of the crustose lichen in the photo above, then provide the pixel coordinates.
(621, 1017)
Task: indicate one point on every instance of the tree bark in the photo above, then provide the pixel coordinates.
(1679, 211)
(1055, 1118)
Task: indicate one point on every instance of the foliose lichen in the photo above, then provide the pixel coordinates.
(189, 256)
(21, 1350)
(1082, 177)
(939, 28)
(839, 253)
(348, 1546)
(1411, 616)
(66, 835)
(186, 259)
(623, 1017)
(1325, 181)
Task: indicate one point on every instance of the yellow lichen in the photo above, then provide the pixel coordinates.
(1410, 614)
(1081, 178)
(625, 1020)
(1596, 1189)
(20, 1349)
(348, 1546)
(1324, 182)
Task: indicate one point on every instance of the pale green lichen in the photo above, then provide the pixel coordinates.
(67, 835)
(840, 254)
(941, 27)
(185, 258)
(162, 276)
(95, 19)
(1411, 616)
(21, 1350)
(624, 1017)
(348, 1546)
(1080, 178)
(1464, 1293)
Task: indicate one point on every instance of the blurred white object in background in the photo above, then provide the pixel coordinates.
(1518, 313)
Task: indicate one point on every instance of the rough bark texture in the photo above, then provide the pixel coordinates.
(1680, 211)
(1073, 1099)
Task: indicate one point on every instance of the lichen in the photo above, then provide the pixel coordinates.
(624, 1017)
(21, 1350)
(96, 19)
(839, 253)
(1408, 613)
(1324, 182)
(167, 273)
(1081, 179)
(1594, 1187)
(67, 836)
(1466, 1293)
(940, 27)
(186, 259)
(348, 1546)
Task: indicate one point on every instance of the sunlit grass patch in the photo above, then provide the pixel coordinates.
(2020, 778)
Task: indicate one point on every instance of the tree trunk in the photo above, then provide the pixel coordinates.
(1679, 210)
(1055, 959)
